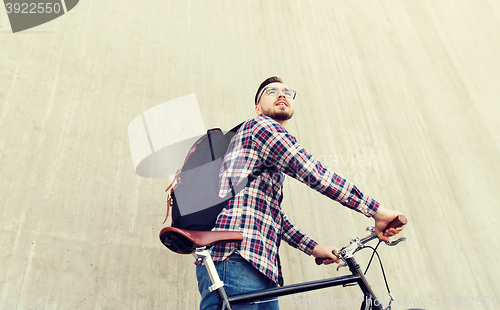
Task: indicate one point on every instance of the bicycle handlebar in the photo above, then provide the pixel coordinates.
(399, 221)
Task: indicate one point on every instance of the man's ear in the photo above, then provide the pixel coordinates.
(257, 110)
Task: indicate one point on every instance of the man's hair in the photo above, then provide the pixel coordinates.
(272, 79)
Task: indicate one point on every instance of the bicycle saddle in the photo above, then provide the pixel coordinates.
(186, 241)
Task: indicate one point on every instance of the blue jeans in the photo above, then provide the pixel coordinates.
(239, 276)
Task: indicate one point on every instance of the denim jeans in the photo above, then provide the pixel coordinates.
(239, 276)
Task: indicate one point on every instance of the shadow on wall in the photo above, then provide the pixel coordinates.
(161, 137)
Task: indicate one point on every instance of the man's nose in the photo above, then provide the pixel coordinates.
(281, 94)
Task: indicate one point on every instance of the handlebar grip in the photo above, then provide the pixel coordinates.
(399, 221)
(319, 261)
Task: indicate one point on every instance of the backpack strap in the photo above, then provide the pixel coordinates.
(169, 206)
(233, 131)
(171, 188)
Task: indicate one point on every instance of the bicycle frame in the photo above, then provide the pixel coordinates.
(370, 301)
(357, 277)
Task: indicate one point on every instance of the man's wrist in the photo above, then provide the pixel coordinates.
(380, 213)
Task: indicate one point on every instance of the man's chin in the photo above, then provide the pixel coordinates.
(280, 116)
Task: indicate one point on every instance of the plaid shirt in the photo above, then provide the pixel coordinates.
(261, 142)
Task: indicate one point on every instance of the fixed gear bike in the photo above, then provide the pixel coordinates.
(197, 243)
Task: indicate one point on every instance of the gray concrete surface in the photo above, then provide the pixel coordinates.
(400, 97)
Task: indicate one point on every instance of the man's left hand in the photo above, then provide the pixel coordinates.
(327, 253)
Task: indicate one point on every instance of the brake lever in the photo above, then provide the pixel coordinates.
(341, 265)
(395, 242)
(389, 243)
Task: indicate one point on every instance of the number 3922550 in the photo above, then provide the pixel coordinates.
(33, 8)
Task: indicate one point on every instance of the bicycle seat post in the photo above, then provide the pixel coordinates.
(217, 285)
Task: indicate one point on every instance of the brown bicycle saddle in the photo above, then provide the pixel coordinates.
(186, 241)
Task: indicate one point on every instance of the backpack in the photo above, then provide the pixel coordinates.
(194, 191)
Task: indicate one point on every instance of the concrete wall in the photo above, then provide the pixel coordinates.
(400, 97)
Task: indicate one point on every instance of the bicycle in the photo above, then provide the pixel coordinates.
(197, 243)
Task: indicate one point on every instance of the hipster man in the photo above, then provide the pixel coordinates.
(263, 143)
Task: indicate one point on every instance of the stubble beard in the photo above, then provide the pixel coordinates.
(278, 115)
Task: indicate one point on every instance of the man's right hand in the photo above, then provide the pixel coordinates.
(382, 218)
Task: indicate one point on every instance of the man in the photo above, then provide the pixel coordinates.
(263, 143)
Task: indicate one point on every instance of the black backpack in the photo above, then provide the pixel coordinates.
(194, 191)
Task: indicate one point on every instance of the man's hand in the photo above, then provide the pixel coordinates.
(327, 253)
(382, 218)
